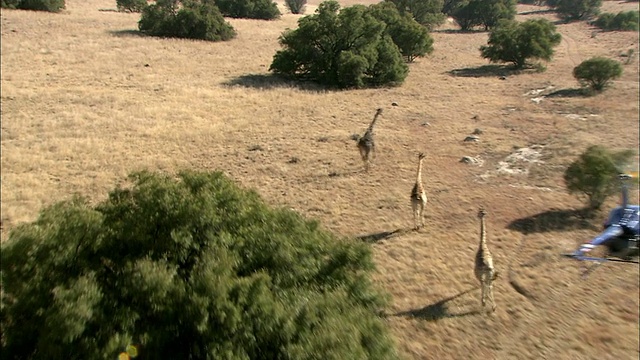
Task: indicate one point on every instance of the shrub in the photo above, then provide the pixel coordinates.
(426, 12)
(131, 5)
(624, 21)
(412, 39)
(249, 9)
(193, 20)
(37, 5)
(345, 49)
(296, 6)
(597, 73)
(191, 267)
(487, 13)
(594, 174)
(576, 9)
(517, 42)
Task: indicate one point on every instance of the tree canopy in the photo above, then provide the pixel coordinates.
(186, 267)
(517, 42)
(597, 73)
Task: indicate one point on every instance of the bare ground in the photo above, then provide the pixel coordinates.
(86, 100)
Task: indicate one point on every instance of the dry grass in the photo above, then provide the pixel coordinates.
(85, 101)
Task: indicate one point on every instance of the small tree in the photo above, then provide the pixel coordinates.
(594, 174)
(296, 6)
(192, 20)
(345, 49)
(622, 21)
(487, 13)
(412, 39)
(37, 5)
(249, 9)
(597, 73)
(426, 12)
(186, 267)
(131, 5)
(517, 42)
(576, 9)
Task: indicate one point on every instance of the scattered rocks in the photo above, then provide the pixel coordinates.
(469, 160)
(255, 148)
(293, 160)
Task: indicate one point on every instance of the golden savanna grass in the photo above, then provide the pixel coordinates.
(85, 101)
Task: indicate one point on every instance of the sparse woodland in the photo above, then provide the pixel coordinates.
(170, 197)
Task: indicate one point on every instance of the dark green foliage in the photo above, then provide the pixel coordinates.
(596, 73)
(37, 5)
(487, 13)
(412, 39)
(131, 5)
(193, 20)
(296, 6)
(576, 9)
(191, 267)
(345, 49)
(517, 42)
(249, 9)
(624, 21)
(426, 12)
(594, 174)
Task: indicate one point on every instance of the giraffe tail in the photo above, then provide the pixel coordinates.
(496, 274)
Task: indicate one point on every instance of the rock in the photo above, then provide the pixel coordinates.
(426, 123)
(394, 104)
(471, 138)
(477, 131)
(475, 117)
(469, 160)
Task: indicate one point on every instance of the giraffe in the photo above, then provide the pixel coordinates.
(366, 145)
(484, 270)
(418, 196)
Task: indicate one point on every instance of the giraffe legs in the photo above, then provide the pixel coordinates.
(487, 293)
(418, 218)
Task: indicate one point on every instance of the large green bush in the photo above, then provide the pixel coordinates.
(597, 73)
(193, 20)
(594, 174)
(412, 39)
(426, 12)
(625, 21)
(249, 9)
(344, 49)
(576, 9)
(37, 5)
(485, 13)
(518, 42)
(186, 267)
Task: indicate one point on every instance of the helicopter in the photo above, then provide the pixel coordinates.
(621, 232)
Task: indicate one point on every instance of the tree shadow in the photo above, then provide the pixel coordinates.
(271, 81)
(534, 12)
(569, 93)
(491, 70)
(439, 310)
(458, 31)
(127, 33)
(554, 220)
(383, 235)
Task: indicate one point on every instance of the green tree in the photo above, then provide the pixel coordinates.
(186, 267)
(412, 39)
(576, 9)
(249, 9)
(472, 13)
(517, 42)
(131, 5)
(296, 6)
(192, 20)
(37, 5)
(426, 12)
(594, 174)
(597, 73)
(623, 21)
(345, 49)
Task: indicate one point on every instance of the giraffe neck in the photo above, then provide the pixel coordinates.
(419, 172)
(375, 118)
(483, 234)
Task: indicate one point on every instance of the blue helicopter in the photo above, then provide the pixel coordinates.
(621, 232)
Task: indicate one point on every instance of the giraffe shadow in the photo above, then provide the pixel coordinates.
(383, 235)
(439, 310)
(553, 220)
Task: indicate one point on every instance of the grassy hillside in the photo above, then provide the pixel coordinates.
(86, 100)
